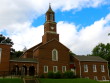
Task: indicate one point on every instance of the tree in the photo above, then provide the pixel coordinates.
(15, 54)
(103, 51)
(7, 40)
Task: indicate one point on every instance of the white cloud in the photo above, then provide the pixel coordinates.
(16, 17)
(20, 11)
(81, 42)
(28, 37)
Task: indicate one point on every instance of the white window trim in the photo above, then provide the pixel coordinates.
(44, 69)
(0, 55)
(85, 66)
(95, 78)
(94, 68)
(56, 69)
(102, 68)
(63, 70)
(53, 55)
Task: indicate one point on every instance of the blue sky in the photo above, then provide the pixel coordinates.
(84, 17)
(82, 24)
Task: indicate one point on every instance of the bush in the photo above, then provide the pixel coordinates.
(57, 75)
(42, 76)
(50, 75)
(68, 74)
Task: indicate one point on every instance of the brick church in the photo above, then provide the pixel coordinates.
(51, 55)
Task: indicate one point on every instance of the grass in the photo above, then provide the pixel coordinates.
(69, 81)
(9, 80)
(16, 80)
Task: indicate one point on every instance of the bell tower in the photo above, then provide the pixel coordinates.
(50, 30)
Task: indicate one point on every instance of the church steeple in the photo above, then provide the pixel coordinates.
(50, 31)
(50, 14)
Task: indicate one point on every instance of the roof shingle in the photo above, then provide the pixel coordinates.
(90, 58)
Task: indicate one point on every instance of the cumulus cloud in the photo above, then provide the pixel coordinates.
(17, 11)
(27, 37)
(16, 17)
(87, 38)
(81, 42)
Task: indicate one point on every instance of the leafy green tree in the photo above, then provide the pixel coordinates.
(7, 40)
(102, 50)
(15, 54)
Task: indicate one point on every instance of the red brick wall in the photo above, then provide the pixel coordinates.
(48, 25)
(5, 57)
(77, 66)
(21, 64)
(49, 36)
(90, 72)
(45, 56)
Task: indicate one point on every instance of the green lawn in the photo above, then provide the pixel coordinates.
(15, 80)
(69, 81)
(9, 80)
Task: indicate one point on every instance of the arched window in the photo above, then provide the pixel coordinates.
(54, 55)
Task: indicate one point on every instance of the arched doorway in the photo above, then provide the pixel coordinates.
(31, 70)
(24, 70)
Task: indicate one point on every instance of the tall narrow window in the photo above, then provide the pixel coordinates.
(63, 69)
(51, 17)
(0, 54)
(85, 68)
(45, 69)
(55, 69)
(102, 68)
(54, 55)
(94, 68)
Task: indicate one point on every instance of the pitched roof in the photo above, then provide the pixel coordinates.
(49, 42)
(50, 9)
(29, 60)
(90, 58)
(32, 48)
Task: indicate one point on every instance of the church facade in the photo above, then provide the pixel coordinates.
(51, 55)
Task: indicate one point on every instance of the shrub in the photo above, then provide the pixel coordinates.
(68, 74)
(57, 75)
(42, 76)
(50, 75)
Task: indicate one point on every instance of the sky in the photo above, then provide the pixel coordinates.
(82, 24)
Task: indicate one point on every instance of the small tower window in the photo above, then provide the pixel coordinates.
(51, 17)
(54, 55)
